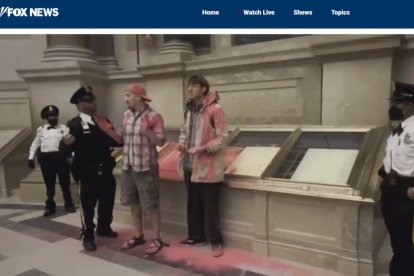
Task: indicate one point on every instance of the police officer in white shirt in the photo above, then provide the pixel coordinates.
(52, 162)
(397, 197)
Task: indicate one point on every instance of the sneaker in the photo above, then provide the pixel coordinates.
(217, 250)
(48, 212)
(191, 242)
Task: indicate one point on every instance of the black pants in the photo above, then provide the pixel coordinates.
(53, 164)
(95, 189)
(203, 210)
(398, 212)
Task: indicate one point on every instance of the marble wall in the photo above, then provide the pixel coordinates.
(318, 79)
(14, 105)
(19, 51)
(355, 92)
(284, 95)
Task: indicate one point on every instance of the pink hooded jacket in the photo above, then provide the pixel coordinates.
(211, 134)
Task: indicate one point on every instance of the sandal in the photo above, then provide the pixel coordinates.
(156, 244)
(133, 241)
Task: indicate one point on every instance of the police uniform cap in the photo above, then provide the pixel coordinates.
(49, 110)
(403, 92)
(83, 94)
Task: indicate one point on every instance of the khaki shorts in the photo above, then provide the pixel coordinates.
(140, 188)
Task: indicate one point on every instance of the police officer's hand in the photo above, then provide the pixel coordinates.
(31, 163)
(68, 139)
(381, 172)
(410, 193)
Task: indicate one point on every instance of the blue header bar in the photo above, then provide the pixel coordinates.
(207, 14)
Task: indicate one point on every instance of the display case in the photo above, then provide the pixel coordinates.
(321, 157)
(304, 193)
(314, 194)
(280, 155)
(306, 157)
(253, 150)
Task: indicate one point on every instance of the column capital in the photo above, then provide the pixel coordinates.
(68, 47)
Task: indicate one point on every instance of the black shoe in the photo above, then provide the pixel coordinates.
(107, 234)
(191, 242)
(70, 209)
(48, 212)
(89, 245)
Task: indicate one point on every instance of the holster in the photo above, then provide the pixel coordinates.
(397, 184)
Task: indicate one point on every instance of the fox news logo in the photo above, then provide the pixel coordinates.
(29, 12)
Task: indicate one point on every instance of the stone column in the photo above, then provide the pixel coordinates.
(202, 44)
(220, 42)
(177, 44)
(68, 47)
(103, 46)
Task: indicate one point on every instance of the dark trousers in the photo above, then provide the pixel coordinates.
(398, 212)
(203, 210)
(95, 189)
(54, 164)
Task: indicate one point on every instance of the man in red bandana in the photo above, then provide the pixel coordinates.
(142, 130)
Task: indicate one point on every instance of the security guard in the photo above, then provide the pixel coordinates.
(397, 197)
(90, 142)
(52, 162)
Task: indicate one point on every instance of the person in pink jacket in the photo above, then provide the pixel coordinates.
(201, 142)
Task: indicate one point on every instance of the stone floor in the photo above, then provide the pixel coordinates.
(31, 245)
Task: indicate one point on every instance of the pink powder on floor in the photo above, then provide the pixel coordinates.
(200, 258)
(191, 256)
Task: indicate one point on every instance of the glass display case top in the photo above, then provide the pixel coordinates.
(252, 161)
(322, 157)
(253, 150)
(258, 138)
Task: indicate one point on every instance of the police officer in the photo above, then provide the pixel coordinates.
(397, 197)
(52, 162)
(90, 142)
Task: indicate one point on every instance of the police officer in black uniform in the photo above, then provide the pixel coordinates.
(52, 162)
(90, 145)
(397, 186)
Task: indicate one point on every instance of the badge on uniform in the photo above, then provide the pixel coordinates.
(408, 140)
(85, 127)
